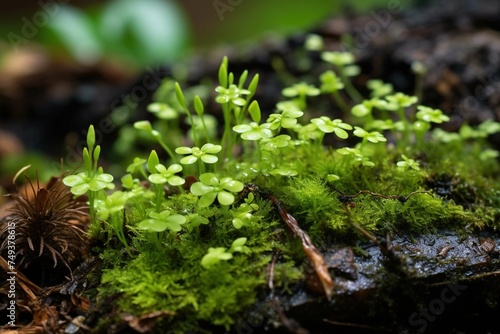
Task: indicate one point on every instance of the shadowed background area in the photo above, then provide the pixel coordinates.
(66, 64)
(63, 63)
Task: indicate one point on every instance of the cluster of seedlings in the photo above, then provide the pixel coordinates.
(193, 229)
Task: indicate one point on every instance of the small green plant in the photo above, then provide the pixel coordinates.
(215, 255)
(301, 90)
(210, 187)
(159, 222)
(92, 181)
(407, 163)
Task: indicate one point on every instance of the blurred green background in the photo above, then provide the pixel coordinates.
(62, 35)
(140, 32)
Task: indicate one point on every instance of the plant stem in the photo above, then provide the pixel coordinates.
(350, 89)
(201, 168)
(340, 101)
(117, 224)
(207, 134)
(167, 149)
(158, 197)
(227, 131)
(406, 131)
(94, 229)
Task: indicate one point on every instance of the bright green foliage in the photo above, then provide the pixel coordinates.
(330, 82)
(308, 132)
(374, 136)
(243, 215)
(82, 183)
(365, 108)
(379, 88)
(148, 128)
(339, 59)
(152, 162)
(163, 110)
(254, 111)
(287, 119)
(194, 220)
(332, 178)
(205, 153)
(167, 175)
(408, 163)
(275, 143)
(210, 188)
(430, 115)
(214, 256)
(92, 181)
(356, 156)
(161, 221)
(113, 203)
(400, 100)
(325, 124)
(231, 95)
(288, 105)
(136, 166)
(217, 254)
(242, 219)
(301, 89)
(253, 131)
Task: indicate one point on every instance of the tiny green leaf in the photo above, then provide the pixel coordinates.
(153, 160)
(198, 105)
(180, 96)
(225, 198)
(91, 138)
(252, 87)
(243, 78)
(254, 111)
(223, 72)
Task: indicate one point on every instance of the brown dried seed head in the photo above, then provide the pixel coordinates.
(49, 227)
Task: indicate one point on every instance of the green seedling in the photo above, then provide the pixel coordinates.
(194, 220)
(92, 181)
(167, 175)
(163, 111)
(215, 255)
(301, 90)
(379, 88)
(210, 187)
(330, 83)
(356, 156)
(344, 65)
(159, 222)
(372, 137)
(148, 128)
(407, 163)
(287, 119)
(111, 210)
(204, 154)
(137, 166)
(275, 143)
(254, 131)
(326, 125)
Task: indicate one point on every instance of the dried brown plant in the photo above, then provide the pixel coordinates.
(49, 227)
